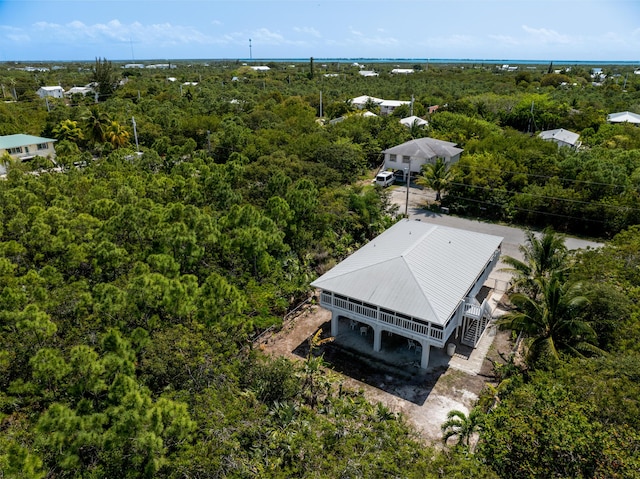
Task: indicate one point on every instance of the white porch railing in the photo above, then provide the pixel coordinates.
(391, 321)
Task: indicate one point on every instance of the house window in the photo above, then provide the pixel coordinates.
(42, 146)
(392, 158)
(406, 159)
(15, 151)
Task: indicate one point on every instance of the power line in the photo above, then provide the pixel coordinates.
(513, 193)
(547, 213)
(548, 177)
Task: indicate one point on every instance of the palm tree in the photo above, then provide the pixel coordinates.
(416, 130)
(543, 257)
(13, 83)
(550, 320)
(68, 130)
(117, 135)
(461, 426)
(96, 124)
(436, 176)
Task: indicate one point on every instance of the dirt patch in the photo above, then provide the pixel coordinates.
(424, 398)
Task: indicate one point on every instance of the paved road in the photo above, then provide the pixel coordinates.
(513, 237)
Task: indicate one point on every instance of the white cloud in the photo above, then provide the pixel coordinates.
(307, 31)
(360, 38)
(504, 39)
(13, 34)
(160, 34)
(267, 37)
(547, 36)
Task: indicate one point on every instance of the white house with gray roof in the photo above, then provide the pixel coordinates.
(562, 137)
(412, 154)
(50, 91)
(416, 280)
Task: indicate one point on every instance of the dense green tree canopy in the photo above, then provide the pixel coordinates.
(133, 282)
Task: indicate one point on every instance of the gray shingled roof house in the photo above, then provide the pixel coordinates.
(415, 153)
(416, 280)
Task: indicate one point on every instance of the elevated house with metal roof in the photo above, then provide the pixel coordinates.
(416, 280)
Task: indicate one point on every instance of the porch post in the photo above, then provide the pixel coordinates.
(424, 361)
(377, 338)
(334, 323)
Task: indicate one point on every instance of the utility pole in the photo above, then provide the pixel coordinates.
(250, 53)
(135, 133)
(406, 204)
(320, 103)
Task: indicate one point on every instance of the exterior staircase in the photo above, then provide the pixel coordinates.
(470, 335)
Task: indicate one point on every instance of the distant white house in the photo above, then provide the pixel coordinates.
(416, 280)
(262, 68)
(362, 101)
(623, 117)
(413, 120)
(368, 73)
(562, 137)
(388, 106)
(402, 71)
(25, 147)
(50, 91)
(160, 66)
(134, 65)
(79, 90)
(411, 155)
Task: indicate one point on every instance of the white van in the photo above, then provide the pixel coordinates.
(385, 178)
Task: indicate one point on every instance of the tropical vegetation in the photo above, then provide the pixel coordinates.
(194, 206)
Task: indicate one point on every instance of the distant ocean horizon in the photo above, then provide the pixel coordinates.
(496, 61)
(360, 60)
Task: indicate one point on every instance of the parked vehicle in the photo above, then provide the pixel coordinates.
(385, 178)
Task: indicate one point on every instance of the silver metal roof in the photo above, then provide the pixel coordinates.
(414, 268)
(623, 116)
(560, 134)
(425, 148)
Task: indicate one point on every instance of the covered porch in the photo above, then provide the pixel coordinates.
(420, 337)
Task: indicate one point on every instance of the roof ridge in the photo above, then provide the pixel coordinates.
(417, 283)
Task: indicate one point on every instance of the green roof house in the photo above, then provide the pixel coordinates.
(25, 147)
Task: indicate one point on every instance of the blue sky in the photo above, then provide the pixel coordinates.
(583, 30)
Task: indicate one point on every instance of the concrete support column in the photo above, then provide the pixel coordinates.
(377, 338)
(424, 360)
(334, 323)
